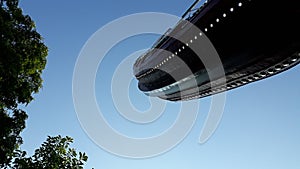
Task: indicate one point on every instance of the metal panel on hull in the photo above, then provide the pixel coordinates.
(255, 39)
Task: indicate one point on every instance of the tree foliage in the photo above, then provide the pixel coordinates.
(23, 56)
(10, 130)
(22, 60)
(53, 154)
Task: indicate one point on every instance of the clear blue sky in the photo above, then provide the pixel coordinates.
(260, 125)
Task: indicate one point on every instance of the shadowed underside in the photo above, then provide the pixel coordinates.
(254, 39)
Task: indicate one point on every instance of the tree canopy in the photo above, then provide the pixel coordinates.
(10, 139)
(23, 56)
(22, 59)
(55, 154)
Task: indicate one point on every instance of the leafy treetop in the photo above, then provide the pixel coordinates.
(23, 56)
(53, 154)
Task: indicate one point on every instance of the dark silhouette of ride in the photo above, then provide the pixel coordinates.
(254, 39)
